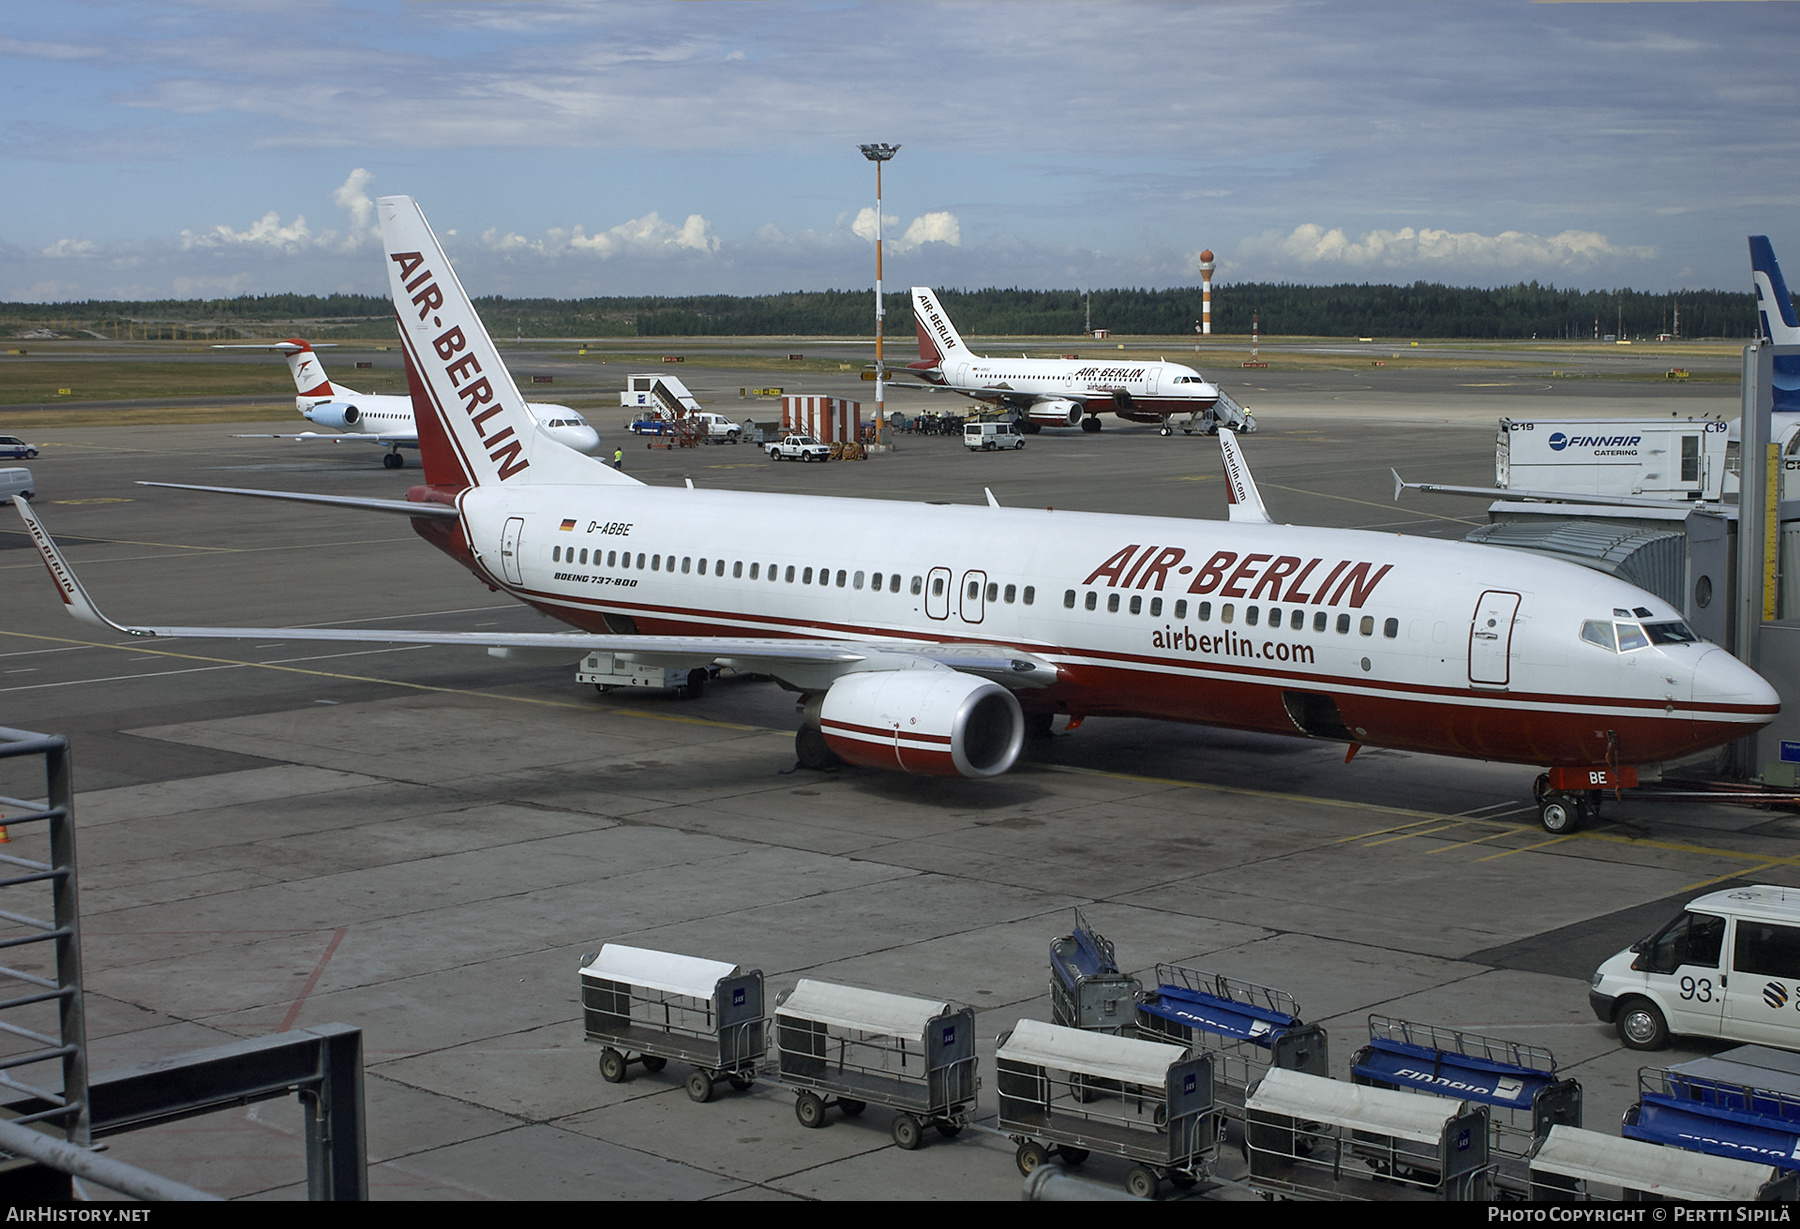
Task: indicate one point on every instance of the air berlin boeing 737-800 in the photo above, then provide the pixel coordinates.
(937, 650)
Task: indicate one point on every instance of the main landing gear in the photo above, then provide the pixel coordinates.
(1567, 798)
(393, 460)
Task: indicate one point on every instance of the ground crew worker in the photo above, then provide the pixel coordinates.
(618, 458)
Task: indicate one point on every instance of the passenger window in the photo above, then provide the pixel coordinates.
(737, 570)
(1137, 604)
(1030, 594)
(612, 557)
(875, 582)
(584, 555)
(894, 583)
(1391, 628)
(1225, 612)
(805, 577)
(1251, 614)
(1297, 620)
(937, 586)
(856, 581)
(840, 578)
(1367, 626)
(1764, 949)
(754, 569)
(790, 574)
(917, 584)
(1068, 599)
(993, 592)
(685, 561)
(1181, 609)
(640, 561)
(1090, 599)
(1594, 631)
(1692, 938)
(1274, 616)
(1320, 621)
(1155, 607)
(1112, 603)
(556, 554)
(1012, 591)
(1203, 612)
(1343, 625)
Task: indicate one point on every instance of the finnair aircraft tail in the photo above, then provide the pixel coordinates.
(1780, 323)
(474, 429)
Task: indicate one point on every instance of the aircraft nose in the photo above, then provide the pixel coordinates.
(586, 440)
(1723, 683)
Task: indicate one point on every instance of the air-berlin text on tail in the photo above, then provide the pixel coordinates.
(464, 373)
(1255, 577)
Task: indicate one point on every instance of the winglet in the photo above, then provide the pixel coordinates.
(1240, 487)
(992, 502)
(73, 595)
(1398, 484)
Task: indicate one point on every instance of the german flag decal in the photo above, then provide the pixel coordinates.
(568, 524)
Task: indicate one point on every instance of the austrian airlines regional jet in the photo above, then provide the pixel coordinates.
(1047, 392)
(375, 418)
(936, 651)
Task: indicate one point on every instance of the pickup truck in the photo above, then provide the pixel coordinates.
(799, 448)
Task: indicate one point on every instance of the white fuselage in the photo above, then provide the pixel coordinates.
(1368, 637)
(391, 418)
(1141, 391)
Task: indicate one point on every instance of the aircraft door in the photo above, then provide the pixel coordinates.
(1490, 638)
(937, 593)
(971, 604)
(1155, 378)
(509, 549)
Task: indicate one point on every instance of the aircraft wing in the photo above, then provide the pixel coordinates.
(797, 659)
(404, 507)
(359, 437)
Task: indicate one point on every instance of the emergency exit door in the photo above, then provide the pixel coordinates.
(1490, 638)
(509, 548)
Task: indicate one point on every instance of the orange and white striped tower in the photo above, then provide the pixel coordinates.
(1206, 272)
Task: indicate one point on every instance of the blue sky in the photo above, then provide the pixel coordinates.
(205, 149)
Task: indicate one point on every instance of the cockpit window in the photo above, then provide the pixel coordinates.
(1670, 633)
(1631, 636)
(1596, 631)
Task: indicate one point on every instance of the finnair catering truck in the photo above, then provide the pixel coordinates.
(1659, 458)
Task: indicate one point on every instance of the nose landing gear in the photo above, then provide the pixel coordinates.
(1569, 797)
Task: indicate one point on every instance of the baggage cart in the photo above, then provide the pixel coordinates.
(1572, 1164)
(1156, 1111)
(1517, 1082)
(1248, 1029)
(649, 1007)
(1743, 1103)
(1313, 1138)
(1087, 990)
(852, 1048)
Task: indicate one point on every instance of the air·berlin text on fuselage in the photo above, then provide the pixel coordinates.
(1285, 579)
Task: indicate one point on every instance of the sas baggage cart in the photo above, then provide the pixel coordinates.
(852, 1048)
(1077, 1092)
(1248, 1029)
(1086, 988)
(1517, 1082)
(649, 1007)
(1313, 1138)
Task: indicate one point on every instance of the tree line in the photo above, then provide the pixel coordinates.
(1423, 309)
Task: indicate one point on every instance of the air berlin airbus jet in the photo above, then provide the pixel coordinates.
(936, 651)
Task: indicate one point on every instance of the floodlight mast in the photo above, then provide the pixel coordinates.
(879, 154)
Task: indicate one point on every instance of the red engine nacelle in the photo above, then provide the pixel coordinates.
(937, 723)
(1057, 412)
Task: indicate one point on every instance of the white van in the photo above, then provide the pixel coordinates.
(1727, 966)
(987, 436)
(16, 482)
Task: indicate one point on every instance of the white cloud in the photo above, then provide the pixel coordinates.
(351, 196)
(69, 247)
(938, 227)
(646, 236)
(1312, 247)
(46, 51)
(266, 232)
(864, 226)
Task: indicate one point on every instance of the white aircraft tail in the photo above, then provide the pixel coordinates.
(1774, 307)
(938, 338)
(310, 381)
(474, 428)
(1240, 487)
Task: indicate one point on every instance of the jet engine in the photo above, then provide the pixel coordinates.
(1056, 412)
(935, 723)
(334, 415)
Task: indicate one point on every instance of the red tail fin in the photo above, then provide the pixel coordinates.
(927, 348)
(443, 468)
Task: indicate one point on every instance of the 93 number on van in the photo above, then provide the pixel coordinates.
(1697, 989)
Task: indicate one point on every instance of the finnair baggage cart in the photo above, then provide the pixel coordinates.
(852, 1048)
(1156, 1109)
(649, 1007)
(1087, 990)
(1313, 1138)
(1517, 1082)
(1247, 1027)
(1744, 1103)
(1571, 1164)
